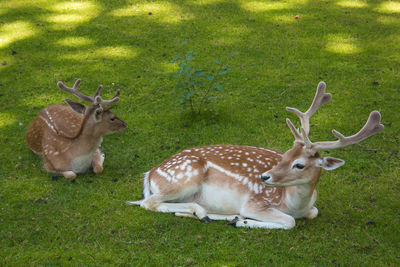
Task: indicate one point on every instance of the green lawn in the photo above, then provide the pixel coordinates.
(277, 61)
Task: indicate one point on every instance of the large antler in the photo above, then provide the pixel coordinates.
(95, 100)
(320, 98)
(371, 127)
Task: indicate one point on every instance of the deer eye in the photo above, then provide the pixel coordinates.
(112, 119)
(298, 166)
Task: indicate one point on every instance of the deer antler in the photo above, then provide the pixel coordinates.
(75, 91)
(371, 127)
(320, 98)
(95, 100)
(106, 103)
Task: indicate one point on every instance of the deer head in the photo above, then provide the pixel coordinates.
(98, 119)
(302, 164)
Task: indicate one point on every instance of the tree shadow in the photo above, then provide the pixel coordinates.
(278, 58)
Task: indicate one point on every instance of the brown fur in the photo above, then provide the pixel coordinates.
(69, 141)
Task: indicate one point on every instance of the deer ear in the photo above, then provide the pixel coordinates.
(77, 107)
(329, 163)
(98, 114)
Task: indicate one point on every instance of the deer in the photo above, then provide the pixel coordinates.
(69, 138)
(251, 187)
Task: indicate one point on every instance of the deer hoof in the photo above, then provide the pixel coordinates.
(69, 174)
(234, 221)
(206, 219)
(98, 169)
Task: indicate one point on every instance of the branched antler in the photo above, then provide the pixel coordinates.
(372, 126)
(320, 98)
(95, 100)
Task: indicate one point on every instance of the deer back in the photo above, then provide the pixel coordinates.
(58, 121)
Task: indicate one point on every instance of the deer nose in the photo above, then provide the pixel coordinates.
(265, 177)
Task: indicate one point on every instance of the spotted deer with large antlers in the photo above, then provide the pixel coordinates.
(69, 137)
(252, 186)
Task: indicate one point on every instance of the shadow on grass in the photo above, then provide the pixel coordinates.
(278, 50)
(276, 56)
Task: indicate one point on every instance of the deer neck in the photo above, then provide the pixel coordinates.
(90, 138)
(299, 199)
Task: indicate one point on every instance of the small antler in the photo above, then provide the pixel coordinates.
(371, 127)
(95, 100)
(320, 98)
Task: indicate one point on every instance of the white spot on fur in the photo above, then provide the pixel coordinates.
(163, 174)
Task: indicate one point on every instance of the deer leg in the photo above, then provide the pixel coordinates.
(156, 203)
(50, 168)
(221, 217)
(69, 174)
(97, 161)
(270, 218)
(213, 217)
(257, 224)
(312, 213)
(190, 208)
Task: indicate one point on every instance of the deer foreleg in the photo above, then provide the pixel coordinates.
(312, 213)
(97, 161)
(221, 217)
(214, 217)
(257, 224)
(69, 174)
(270, 218)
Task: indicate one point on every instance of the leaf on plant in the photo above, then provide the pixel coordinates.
(228, 66)
(180, 86)
(223, 72)
(175, 75)
(189, 94)
(199, 73)
(184, 42)
(181, 64)
(218, 87)
(186, 68)
(209, 77)
(189, 58)
(180, 101)
(199, 83)
(217, 61)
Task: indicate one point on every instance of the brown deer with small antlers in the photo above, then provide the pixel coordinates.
(252, 186)
(69, 137)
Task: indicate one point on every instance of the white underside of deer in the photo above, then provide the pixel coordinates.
(252, 186)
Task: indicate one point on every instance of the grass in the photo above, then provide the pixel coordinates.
(276, 61)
